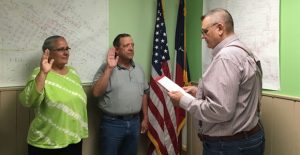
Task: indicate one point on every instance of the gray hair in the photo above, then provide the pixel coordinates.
(221, 15)
(49, 42)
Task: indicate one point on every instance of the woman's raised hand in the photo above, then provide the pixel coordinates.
(45, 65)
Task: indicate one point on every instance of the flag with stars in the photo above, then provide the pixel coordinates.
(181, 74)
(162, 118)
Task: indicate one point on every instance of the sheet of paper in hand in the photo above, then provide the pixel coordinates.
(169, 85)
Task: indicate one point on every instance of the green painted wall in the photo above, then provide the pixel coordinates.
(289, 48)
(137, 17)
(194, 43)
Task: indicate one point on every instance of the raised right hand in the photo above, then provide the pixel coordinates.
(112, 59)
(45, 65)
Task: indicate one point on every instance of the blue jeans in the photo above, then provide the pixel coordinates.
(119, 136)
(253, 145)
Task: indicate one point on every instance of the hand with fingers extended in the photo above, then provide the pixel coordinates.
(45, 64)
(112, 59)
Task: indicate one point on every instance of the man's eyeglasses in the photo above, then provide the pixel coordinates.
(205, 31)
(61, 49)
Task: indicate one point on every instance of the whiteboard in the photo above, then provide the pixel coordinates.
(257, 25)
(25, 24)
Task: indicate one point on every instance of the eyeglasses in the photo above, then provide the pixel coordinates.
(205, 31)
(62, 49)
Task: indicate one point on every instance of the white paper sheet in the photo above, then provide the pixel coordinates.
(169, 85)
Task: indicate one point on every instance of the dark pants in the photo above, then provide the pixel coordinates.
(72, 149)
(119, 136)
(252, 145)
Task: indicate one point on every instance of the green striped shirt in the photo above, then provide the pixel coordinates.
(60, 110)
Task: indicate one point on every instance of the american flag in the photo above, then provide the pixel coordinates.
(162, 119)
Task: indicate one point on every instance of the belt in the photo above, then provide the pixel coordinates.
(237, 136)
(122, 117)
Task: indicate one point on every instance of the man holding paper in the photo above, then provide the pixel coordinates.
(227, 98)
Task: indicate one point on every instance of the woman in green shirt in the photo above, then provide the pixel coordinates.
(55, 93)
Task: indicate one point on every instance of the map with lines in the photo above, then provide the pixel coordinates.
(26, 24)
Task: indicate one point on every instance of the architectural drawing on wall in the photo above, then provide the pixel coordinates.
(26, 24)
(257, 25)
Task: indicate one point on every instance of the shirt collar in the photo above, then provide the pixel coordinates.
(121, 67)
(224, 43)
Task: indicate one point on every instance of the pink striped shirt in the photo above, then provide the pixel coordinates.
(228, 94)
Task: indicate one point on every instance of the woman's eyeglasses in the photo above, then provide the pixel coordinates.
(67, 49)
